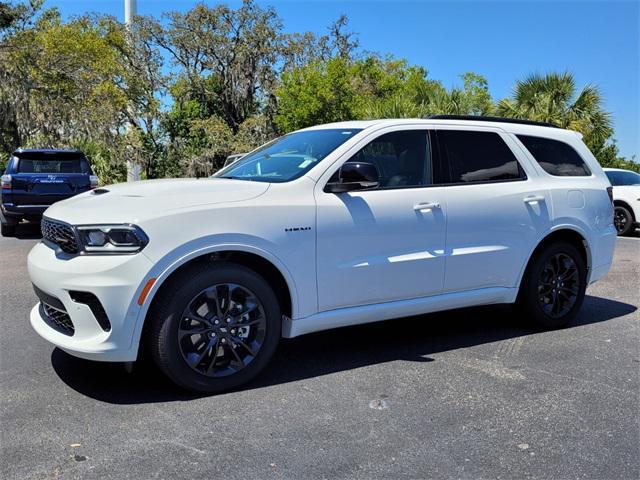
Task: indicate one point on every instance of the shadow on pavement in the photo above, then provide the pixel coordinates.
(410, 339)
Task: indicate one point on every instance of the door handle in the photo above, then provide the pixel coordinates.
(426, 206)
(534, 199)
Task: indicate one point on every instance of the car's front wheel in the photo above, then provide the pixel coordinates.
(554, 285)
(622, 219)
(215, 327)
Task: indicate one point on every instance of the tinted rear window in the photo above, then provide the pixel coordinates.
(478, 157)
(555, 157)
(52, 163)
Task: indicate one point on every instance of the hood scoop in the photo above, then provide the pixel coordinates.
(100, 191)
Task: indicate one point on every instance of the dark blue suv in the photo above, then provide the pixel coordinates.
(35, 179)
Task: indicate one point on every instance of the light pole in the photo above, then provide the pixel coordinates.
(130, 11)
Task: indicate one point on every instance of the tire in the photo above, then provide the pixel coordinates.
(206, 362)
(7, 230)
(540, 289)
(623, 220)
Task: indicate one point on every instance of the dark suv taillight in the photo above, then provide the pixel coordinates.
(5, 182)
(610, 192)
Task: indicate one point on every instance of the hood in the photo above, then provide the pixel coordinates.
(136, 201)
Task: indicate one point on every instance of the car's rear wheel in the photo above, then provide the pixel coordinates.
(215, 328)
(7, 229)
(622, 219)
(554, 285)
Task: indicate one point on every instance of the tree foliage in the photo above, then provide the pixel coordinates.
(180, 93)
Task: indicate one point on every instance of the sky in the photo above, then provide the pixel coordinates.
(598, 41)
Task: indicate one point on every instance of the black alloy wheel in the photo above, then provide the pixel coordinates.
(554, 285)
(558, 285)
(213, 327)
(622, 220)
(222, 330)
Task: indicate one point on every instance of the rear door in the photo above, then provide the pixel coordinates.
(496, 209)
(43, 178)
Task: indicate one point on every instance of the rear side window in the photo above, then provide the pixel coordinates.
(52, 163)
(555, 157)
(477, 157)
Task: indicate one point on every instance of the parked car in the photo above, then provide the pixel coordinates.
(329, 226)
(35, 179)
(626, 199)
(233, 158)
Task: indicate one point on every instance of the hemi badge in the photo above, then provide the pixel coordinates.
(296, 229)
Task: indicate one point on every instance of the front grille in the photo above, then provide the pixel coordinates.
(57, 319)
(61, 234)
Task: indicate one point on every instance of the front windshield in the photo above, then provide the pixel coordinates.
(619, 178)
(287, 157)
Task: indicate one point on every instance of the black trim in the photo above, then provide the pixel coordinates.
(480, 118)
(90, 300)
(482, 182)
(48, 299)
(439, 169)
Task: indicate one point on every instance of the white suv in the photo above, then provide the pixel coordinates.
(325, 227)
(626, 199)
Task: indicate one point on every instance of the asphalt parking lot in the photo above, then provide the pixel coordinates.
(467, 394)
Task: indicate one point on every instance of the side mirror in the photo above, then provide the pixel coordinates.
(354, 176)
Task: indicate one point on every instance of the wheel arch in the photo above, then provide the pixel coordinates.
(622, 203)
(566, 233)
(257, 259)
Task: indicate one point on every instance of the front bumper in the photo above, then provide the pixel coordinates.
(114, 280)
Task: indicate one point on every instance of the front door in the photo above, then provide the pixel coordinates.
(387, 243)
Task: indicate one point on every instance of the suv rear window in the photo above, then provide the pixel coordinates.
(555, 157)
(52, 163)
(478, 157)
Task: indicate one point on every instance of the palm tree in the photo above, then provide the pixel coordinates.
(431, 101)
(396, 106)
(553, 98)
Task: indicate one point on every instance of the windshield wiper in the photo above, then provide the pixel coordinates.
(231, 177)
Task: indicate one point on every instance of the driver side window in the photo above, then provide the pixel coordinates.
(403, 158)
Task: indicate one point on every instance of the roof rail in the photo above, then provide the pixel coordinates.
(480, 118)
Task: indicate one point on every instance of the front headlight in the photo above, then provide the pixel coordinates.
(111, 238)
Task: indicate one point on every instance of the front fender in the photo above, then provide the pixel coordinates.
(170, 262)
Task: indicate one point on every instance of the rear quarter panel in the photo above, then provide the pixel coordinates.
(581, 204)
